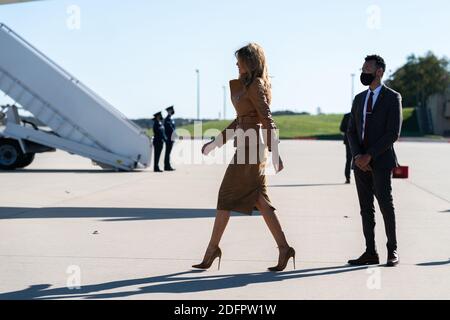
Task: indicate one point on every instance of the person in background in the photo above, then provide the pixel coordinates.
(159, 137)
(169, 127)
(348, 162)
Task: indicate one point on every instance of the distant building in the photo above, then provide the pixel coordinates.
(438, 109)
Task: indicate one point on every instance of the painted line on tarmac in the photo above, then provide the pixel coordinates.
(428, 191)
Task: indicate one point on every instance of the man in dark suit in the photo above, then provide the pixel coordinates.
(159, 136)
(374, 126)
(348, 162)
(169, 126)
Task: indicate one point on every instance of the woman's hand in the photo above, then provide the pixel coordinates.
(208, 147)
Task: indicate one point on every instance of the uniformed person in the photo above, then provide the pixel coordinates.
(348, 162)
(169, 126)
(159, 137)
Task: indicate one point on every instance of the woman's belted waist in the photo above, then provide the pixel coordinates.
(250, 119)
(244, 139)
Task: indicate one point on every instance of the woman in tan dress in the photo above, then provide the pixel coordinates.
(244, 187)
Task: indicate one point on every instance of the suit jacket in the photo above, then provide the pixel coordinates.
(169, 127)
(344, 126)
(159, 135)
(384, 129)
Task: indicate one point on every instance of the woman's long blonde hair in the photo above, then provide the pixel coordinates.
(255, 60)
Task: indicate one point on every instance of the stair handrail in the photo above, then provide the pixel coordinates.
(68, 75)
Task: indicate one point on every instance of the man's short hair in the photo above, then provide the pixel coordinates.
(379, 61)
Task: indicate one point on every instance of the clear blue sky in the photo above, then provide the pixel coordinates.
(141, 55)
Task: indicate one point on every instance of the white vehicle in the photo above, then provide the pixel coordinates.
(78, 120)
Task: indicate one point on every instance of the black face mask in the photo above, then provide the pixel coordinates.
(367, 78)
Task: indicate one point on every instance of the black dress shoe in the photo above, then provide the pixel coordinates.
(392, 259)
(158, 170)
(365, 259)
(347, 181)
(169, 169)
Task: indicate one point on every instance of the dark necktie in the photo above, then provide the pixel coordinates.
(367, 120)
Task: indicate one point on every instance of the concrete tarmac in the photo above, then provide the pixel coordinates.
(69, 230)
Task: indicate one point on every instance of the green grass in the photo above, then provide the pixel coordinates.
(306, 126)
(292, 126)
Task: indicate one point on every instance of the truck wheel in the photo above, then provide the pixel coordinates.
(10, 154)
(25, 160)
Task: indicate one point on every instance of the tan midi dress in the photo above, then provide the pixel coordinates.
(244, 180)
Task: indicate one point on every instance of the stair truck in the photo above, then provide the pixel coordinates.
(76, 119)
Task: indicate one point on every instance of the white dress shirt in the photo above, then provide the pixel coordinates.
(376, 93)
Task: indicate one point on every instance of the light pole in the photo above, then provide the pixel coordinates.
(353, 88)
(198, 93)
(224, 102)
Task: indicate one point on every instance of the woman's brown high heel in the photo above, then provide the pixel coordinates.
(206, 264)
(282, 265)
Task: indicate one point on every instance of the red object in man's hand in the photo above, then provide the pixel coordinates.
(400, 172)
